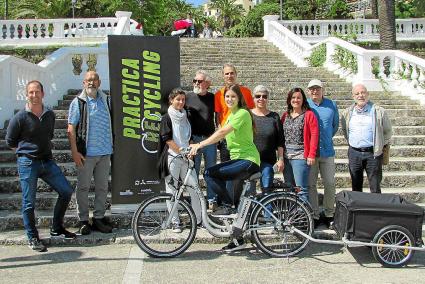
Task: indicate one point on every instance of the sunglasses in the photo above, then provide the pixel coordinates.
(261, 97)
(197, 81)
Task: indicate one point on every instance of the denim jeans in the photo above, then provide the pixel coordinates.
(267, 175)
(360, 161)
(217, 175)
(210, 159)
(326, 167)
(29, 172)
(296, 174)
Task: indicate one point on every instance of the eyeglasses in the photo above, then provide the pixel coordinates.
(197, 81)
(264, 97)
(360, 93)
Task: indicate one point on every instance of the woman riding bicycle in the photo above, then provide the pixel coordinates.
(245, 159)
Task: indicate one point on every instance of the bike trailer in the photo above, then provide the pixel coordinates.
(361, 215)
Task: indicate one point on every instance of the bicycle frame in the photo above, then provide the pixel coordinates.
(213, 228)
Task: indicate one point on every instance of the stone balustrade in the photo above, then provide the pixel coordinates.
(63, 31)
(379, 70)
(362, 29)
(62, 70)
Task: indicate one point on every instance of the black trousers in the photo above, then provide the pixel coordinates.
(360, 161)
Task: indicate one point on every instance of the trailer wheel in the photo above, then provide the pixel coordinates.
(393, 235)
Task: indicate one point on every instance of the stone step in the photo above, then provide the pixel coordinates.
(12, 219)
(396, 164)
(64, 155)
(396, 140)
(47, 200)
(339, 140)
(399, 179)
(44, 201)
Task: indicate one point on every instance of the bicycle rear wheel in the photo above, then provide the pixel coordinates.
(150, 230)
(279, 241)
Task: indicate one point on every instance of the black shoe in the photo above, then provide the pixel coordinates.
(235, 245)
(84, 228)
(328, 221)
(317, 223)
(99, 224)
(37, 245)
(62, 232)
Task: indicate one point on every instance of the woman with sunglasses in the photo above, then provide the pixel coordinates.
(301, 134)
(268, 137)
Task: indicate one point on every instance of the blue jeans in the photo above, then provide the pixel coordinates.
(210, 159)
(267, 175)
(29, 172)
(296, 173)
(217, 175)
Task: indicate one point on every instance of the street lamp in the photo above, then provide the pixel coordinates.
(73, 7)
(281, 8)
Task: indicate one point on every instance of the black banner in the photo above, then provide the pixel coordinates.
(142, 71)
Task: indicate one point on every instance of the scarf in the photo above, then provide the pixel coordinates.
(181, 126)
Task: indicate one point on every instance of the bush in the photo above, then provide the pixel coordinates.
(318, 56)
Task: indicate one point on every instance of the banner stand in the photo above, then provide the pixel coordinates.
(143, 71)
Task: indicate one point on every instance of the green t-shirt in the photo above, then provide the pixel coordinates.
(240, 141)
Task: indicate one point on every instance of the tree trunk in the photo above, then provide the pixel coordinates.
(374, 7)
(387, 32)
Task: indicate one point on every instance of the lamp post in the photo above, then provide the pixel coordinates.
(281, 8)
(6, 9)
(73, 7)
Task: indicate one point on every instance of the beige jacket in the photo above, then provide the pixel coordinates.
(383, 130)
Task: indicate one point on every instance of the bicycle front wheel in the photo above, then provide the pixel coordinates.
(277, 240)
(152, 234)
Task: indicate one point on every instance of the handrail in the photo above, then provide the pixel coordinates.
(363, 29)
(391, 70)
(63, 31)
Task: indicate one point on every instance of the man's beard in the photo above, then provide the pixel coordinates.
(91, 91)
(196, 90)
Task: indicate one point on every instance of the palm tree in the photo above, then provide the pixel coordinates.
(387, 32)
(42, 9)
(374, 8)
(230, 13)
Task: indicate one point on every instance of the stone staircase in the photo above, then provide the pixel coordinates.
(257, 62)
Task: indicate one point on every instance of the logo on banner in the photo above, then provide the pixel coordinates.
(136, 125)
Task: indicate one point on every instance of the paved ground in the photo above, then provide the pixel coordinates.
(202, 263)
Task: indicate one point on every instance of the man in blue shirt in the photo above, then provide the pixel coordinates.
(29, 134)
(328, 118)
(90, 137)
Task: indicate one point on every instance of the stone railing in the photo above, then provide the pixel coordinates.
(63, 31)
(62, 70)
(363, 29)
(379, 70)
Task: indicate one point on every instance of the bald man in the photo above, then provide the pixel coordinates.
(367, 129)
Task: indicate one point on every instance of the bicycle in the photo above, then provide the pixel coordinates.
(270, 219)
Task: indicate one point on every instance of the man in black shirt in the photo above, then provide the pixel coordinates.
(200, 107)
(29, 134)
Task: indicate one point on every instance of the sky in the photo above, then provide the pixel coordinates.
(196, 2)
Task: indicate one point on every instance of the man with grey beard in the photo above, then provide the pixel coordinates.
(200, 108)
(90, 137)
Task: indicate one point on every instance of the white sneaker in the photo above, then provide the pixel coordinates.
(177, 229)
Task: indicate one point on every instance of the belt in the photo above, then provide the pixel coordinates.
(364, 149)
(33, 158)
